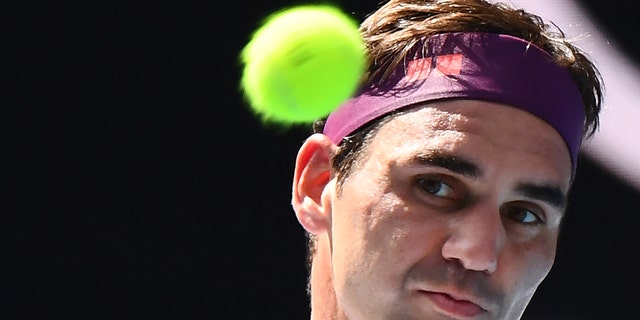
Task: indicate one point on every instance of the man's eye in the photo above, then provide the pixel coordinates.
(523, 215)
(436, 187)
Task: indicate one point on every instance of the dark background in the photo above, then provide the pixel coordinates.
(138, 183)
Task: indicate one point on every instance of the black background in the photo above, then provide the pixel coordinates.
(139, 184)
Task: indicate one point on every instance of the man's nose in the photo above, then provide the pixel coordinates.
(476, 239)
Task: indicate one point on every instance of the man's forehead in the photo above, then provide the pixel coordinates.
(486, 66)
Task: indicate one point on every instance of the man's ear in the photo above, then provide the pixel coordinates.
(312, 177)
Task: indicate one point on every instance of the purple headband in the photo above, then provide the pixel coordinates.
(483, 66)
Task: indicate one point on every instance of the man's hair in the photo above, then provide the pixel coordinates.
(392, 30)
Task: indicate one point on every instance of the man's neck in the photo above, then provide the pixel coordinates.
(324, 305)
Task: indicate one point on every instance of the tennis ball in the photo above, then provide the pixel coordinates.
(302, 63)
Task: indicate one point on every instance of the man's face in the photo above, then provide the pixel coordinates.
(453, 213)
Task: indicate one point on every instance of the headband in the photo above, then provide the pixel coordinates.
(482, 66)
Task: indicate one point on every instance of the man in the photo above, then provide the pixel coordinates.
(438, 190)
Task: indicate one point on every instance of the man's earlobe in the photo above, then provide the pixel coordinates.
(312, 177)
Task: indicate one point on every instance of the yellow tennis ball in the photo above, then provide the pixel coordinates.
(302, 63)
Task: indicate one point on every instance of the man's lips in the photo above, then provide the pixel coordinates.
(458, 308)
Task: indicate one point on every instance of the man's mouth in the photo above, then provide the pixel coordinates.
(457, 308)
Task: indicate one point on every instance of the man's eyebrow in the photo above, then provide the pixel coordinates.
(545, 192)
(548, 193)
(450, 162)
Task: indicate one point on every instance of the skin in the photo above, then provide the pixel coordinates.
(411, 236)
